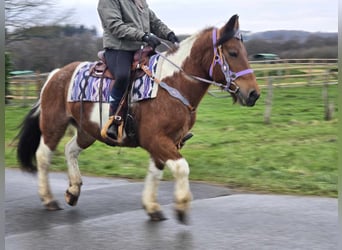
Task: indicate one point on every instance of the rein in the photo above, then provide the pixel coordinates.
(220, 85)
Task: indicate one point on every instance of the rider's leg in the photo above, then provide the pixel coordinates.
(119, 64)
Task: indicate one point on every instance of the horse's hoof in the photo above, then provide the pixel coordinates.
(53, 206)
(182, 217)
(70, 198)
(157, 216)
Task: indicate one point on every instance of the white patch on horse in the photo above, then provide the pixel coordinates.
(52, 73)
(72, 150)
(180, 170)
(149, 196)
(165, 68)
(95, 113)
(43, 156)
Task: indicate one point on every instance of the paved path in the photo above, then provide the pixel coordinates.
(109, 216)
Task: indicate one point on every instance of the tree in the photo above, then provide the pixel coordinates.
(22, 14)
(50, 47)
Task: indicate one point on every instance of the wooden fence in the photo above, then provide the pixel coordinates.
(25, 89)
(290, 72)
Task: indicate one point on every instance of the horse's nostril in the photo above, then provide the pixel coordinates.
(252, 98)
(254, 95)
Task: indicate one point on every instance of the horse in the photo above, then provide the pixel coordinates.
(213, 56)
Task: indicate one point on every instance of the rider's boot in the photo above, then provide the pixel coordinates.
(111, 127)
(112, 130)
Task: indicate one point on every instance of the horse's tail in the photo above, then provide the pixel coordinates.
(29, 135)
(28, 140)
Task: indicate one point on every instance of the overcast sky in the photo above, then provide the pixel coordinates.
(189, 16)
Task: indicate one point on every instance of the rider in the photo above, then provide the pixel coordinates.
(126, 24)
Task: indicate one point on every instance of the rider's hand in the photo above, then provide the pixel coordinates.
(151, 40)
(172, 38)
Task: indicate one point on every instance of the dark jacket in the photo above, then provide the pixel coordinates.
(124, 25)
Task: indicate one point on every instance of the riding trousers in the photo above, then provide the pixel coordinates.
(119, 63)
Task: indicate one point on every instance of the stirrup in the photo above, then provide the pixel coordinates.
(114, 120)
(106, 126)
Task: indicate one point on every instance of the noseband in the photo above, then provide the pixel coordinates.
(221, 60)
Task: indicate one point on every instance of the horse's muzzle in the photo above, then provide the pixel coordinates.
(252, 98)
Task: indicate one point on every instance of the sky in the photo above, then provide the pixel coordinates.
(190, 16)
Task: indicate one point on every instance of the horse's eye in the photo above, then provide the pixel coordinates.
(233, 53)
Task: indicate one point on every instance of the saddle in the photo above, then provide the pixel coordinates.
(100, 69)
(141, 57)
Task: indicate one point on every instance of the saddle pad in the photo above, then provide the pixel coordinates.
(87, 88)
(145, 87)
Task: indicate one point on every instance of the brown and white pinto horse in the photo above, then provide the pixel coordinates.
(213, 56)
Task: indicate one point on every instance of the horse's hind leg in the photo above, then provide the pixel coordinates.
(43, 156)
(52, 133)
(149, 196)
(72, 151)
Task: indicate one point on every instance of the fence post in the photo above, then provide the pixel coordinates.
(328, 107)
(287, 71)
(38, 82)
(268, 102)
(24, 93)
(310, 77)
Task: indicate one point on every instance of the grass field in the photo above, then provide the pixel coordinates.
(295, 154)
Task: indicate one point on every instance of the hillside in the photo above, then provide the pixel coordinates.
(293, 44)
(287, 35)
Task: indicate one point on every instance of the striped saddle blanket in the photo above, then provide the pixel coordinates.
(86, 87)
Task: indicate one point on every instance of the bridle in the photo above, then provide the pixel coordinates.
(219, 58)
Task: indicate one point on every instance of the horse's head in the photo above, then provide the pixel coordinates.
(230, 64)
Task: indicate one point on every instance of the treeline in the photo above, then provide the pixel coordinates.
(314, 46)
(43, 48)
(48, 47)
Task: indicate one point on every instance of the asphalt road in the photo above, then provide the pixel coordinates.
(109, 216)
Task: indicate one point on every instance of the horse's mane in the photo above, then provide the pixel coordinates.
(228, 33)
(189, 39)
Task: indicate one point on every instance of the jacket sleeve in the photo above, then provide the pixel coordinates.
(111, 19)
(158, 28)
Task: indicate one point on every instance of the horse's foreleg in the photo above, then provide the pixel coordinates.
(150, 192)
(72, 150)
(43, 156)
(180, 170)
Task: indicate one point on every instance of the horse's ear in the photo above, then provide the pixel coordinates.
(229, 30)
(232, 24)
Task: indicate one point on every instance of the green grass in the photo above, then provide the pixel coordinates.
(295, 154)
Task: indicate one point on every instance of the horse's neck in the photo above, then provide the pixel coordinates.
(166, 71)
(165, 68)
